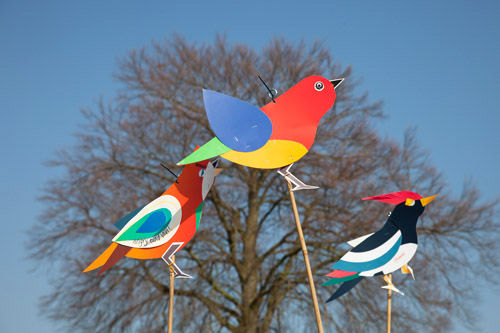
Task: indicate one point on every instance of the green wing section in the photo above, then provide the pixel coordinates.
(210, 149)
(198, 215)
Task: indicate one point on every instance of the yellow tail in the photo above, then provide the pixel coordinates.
(101, 260)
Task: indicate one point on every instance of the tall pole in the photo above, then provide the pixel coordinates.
(389, 297)
(171, 298)
(306, 258)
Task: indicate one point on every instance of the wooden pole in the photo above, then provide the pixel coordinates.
(171, 299)
(306, 258)
(389, 297)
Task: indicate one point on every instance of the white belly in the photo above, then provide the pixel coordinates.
(402, 257)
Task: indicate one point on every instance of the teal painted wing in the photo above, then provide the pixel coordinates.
(124, 220)
(148, 226)
(152, 223)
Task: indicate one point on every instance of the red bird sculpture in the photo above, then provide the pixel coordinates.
(276, 136)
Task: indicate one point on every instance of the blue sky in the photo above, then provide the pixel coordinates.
(434, 64)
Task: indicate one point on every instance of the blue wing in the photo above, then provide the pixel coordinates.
(237, 124)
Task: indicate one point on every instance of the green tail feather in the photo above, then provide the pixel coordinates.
(210, 149)
(339, 280)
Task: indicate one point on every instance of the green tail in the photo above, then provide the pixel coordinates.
(210, 149)
(339, 280)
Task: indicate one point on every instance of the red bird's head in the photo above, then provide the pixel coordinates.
(313, 96)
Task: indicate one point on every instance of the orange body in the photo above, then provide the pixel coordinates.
(188, 191)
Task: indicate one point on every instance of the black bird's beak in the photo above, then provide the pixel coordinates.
(215, 163)
(336, 82)
(425, 201)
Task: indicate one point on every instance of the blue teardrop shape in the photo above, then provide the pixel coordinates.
(237, 124)
(155, 221)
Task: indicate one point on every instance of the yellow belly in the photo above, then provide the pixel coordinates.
(274, 154)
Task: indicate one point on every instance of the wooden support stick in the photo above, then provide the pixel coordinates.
(306, 258)
(389, 297)
(171, 299)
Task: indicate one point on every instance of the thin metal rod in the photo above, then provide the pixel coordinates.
(389, 297)
(306, 258)
(171, 299)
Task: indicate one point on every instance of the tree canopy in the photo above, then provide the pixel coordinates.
(246, 259)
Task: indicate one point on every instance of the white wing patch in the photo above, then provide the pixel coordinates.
(165, 201)
(357, 241)
(402, 257)
(372, 254)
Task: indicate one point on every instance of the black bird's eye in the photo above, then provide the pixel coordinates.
(319, 86)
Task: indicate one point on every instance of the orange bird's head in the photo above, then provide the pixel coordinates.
(196, 179)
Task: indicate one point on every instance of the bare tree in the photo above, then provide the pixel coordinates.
(246, 261)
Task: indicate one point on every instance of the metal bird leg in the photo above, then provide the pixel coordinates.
(390, 285)
(299, 184)
(406, 269)
(171, 264)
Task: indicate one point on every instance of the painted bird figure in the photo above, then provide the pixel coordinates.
(273, 137)
(165, 225)
(386, 250)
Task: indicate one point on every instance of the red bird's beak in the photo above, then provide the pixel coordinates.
(336, 82)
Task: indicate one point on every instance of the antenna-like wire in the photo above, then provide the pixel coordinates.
(163, 165)
(271, 92)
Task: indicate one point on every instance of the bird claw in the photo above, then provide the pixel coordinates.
(167, 257)
(299, 185)
(391, 286)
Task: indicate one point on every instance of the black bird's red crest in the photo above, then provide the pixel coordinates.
(395, 198)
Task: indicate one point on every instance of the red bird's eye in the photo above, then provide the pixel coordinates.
(319, 86)
(202, 172)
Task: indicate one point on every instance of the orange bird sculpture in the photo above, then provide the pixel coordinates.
(165, 225)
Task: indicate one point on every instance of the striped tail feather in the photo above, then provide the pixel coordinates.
(339, 276)
(117, 254)
(102, 258)
(108, 258)
(345, 287)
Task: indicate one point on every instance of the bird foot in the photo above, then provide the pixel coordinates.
(391, 286)
(299, 184)
(167, 257)
(406, 269)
